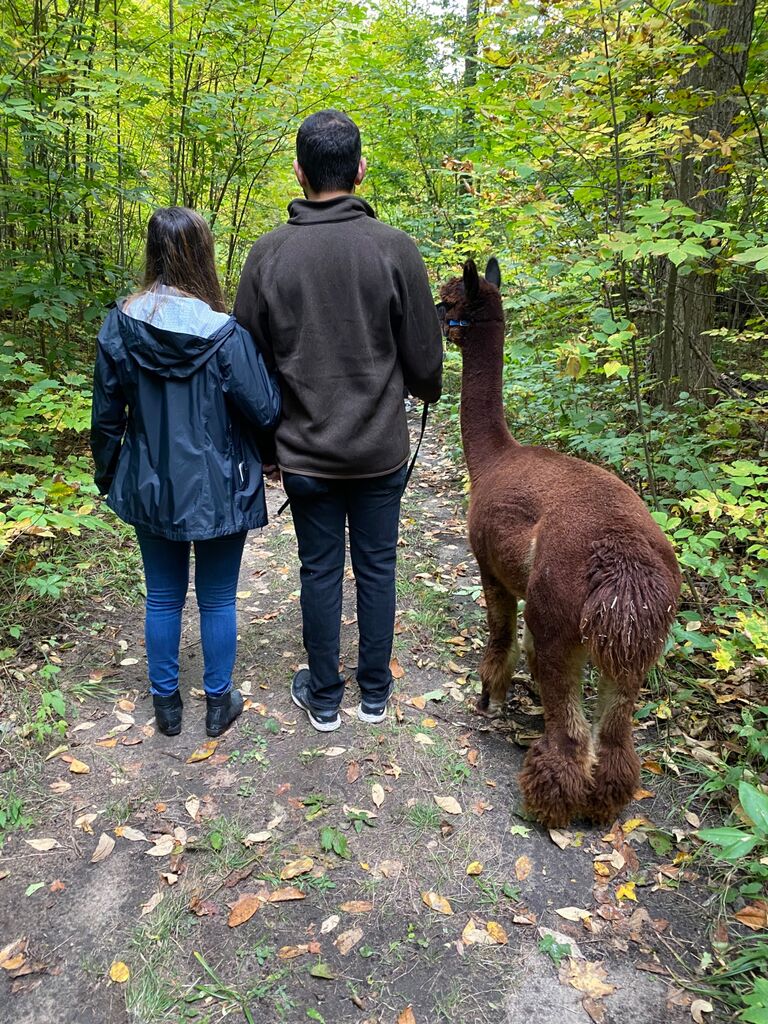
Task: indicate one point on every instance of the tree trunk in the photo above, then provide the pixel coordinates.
(681, 355)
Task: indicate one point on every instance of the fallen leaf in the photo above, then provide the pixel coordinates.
(59, 787)
(474, 936)
(475, 868)
(633, 823)
(497, 933)
(43, 845)
(562, 940)
(353, 772)
(107, 743)
(418, 702)
(288, 893)
(203, 753)
(573, 913)
(561, 839)
(334, 751)
(78, 767)
(57, 886)
(169, 877)
(125, 719)
(119, 972)
(84, 822)
(755, 916)
(192, 805)
(436, 902)
(448, 804)
(104, 847)
(162, 848)
(348, 940)
(153, 901)
(11, 952)
(56, 751)
(387, 869)
(699, 1006)
(356, 907)
(428, 723)
(296, 867)
(642, 794)
(134, 835)
(377, 794)
(322, 971)
(626, 892)
(243, 909)
(396, 669)
(588, 977)
(126, 705)
(256, 837)
(291, 952)
(406, 1016)
(523, 867)
(329, 924)
(127, 662)
(423, 739)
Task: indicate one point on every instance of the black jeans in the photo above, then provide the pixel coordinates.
(320, 510)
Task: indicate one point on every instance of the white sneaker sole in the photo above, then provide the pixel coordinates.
(319, 726)
(370, 719)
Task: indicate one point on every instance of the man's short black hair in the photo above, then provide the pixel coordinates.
(328, 151)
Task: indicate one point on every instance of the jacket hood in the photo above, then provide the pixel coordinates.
(179, 342)
(304, 211)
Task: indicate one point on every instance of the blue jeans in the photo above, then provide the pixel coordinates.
(166, 570)
(320, 510)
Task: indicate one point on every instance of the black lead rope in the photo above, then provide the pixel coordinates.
(424, 414)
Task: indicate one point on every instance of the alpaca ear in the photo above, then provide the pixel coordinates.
(471, 280)
(493, 272)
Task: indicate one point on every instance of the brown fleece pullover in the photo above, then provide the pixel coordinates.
(340, 305)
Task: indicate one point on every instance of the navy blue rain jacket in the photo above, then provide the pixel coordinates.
(175, 427)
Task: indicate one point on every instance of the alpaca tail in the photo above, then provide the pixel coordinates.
(630, 606)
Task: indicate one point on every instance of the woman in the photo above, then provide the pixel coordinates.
(180, 395)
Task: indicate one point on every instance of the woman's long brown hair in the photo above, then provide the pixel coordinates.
(180, 255)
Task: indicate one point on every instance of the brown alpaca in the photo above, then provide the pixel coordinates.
(598, 577)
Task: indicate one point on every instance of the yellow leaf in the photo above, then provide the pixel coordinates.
(587, 977)
(203, 753)
(78, 767)
(475, 868)
(119, 972)
(626, 892)
(428, 723)
(631, 825)
(438, 903)
(296, 867)
(406, 1016)
(523, 867)
(474, 936)
(497, 933)
(602, 869)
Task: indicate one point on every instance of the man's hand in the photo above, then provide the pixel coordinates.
(273, 473)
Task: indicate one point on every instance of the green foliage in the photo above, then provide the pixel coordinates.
(556, 951)
(331, 840)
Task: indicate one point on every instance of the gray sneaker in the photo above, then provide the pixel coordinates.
(372, 714)
(323, 721)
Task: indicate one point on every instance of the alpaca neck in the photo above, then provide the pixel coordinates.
(484, 430)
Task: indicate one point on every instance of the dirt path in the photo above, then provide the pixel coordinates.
(335, 845)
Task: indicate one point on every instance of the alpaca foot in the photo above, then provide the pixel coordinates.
(615, 779)
(555, 785)
(489, 706)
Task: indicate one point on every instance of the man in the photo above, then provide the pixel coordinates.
(341, 306)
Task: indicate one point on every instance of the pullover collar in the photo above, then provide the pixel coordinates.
(303, 211)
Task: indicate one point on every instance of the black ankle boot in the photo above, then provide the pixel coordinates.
(222, 711)
(168, 713)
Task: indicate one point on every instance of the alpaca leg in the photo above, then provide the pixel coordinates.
(502, 651)
(530, 656)
(556, 778)
(617, 769)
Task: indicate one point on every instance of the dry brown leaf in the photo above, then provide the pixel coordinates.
(396, 669)
(57, 886)
(257, 837)
(417, 702)
(448, 804)
(588, 977)
(348, 940)
(244, 909)
(436, 902)
(755, 916)
(192, 805)
(107, 743)
(523, 867)
(59, 787)
(329, 924)
(387, 869)
(559, 838)
(290, 892)
(85, 821)
(356, 906)
(377, 794)
(296, 867)
(497, 933)
(162, 848)
(78, 767)
(353, 772)
(134, 835)
(290, 952)
(406, 1016)
(155, 900)
(42, 845)
(203, 753)
(119, 972)
(104, 847)
(474, 936)
(11, 953)
(698, 1007)
(573, 913)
